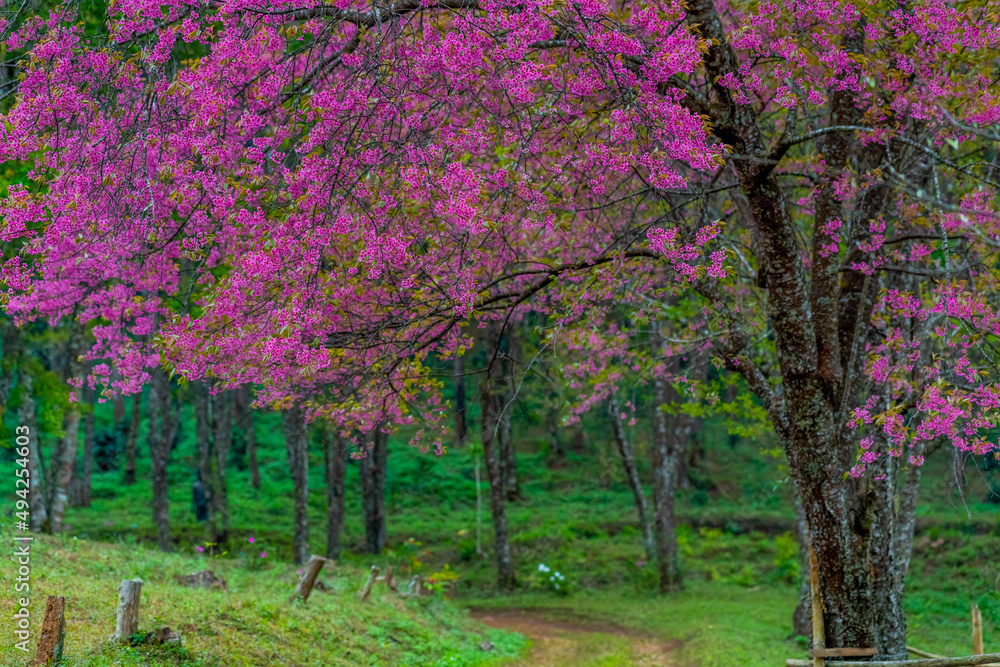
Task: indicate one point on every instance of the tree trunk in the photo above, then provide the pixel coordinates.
(9, 359)
(88, 452)
(668, 449)
(297, 447)
(632, 474)
(161, 434)
(552, 421)
(373, 471)
(508, 451)
(246, 424)
(203, 438)
(802, 616)
(28, 418)
(335, 455)
(66, 460)
(461, 428)
(133, 439)
(222, 409)
(492, 405)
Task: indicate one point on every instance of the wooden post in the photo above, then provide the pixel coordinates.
(50, 646)
(390, 580)
(128, 610)
(308, 578)
(368, 584)
(819, 631)
(977, 630)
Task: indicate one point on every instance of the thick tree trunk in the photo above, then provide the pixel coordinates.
(88, 452)
(66, 460)
(203, 439)
(802, 616)
(133, 439)
(373, 471)
(335, 454)
(632, 475)
(491, 407)
(28, 418)
(245, 402)
(222, 409)
(161, 434)
(461, 428)
(297, 448)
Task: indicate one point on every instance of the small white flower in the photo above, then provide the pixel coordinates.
(542, 567)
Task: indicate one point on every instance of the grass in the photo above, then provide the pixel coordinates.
(251, 624)
(740, 562)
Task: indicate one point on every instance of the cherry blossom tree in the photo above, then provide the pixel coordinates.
(313, 198)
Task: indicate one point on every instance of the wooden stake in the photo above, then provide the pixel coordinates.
(127, 623)
(390, 580)
(308, 578)
(50, 646)
(368, 584)
(819, 631)
(977, 630)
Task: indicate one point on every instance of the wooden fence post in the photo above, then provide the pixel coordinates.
(127, 623)
(390, 580)
(977, 630)
(50, 646)
(819, 631)
(308, 578)
(368, 584)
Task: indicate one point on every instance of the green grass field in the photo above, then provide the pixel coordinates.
(740, 561)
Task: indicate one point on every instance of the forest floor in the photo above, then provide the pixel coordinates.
(557, 640)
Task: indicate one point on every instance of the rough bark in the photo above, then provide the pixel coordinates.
(127, 619)
(50, 644)
(203, 439)
(28, 417)
(66, 460)
(297, 448)
(132, 442)
(222, 409)
(632, 475)
(335, 454)
(461, 428)
(802, 616)
(492, 405)
(373, 471)
(161, 432)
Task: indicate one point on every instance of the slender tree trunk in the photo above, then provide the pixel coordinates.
(28, 417)
(552, 421)
(297, 447)
(373, 471)
(491, 402)
(133, 439)
(203, 438)
(667, 452)
(88, 452)
(335, 455)
(223, 412)
(66, 461)
(161, 433)
(512, 489)
(632, 474)
(246, 423)
(461, 428)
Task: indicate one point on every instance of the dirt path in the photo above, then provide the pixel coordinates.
(563, 642)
